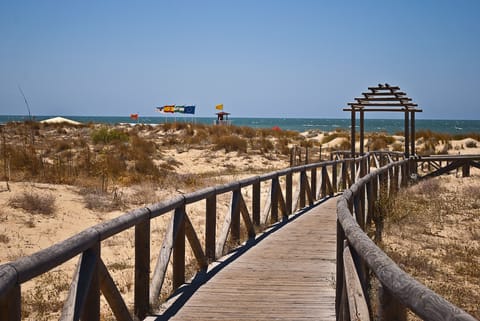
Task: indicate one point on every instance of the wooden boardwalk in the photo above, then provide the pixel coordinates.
(288, 275)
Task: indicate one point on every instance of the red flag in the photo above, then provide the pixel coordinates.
(134, 116)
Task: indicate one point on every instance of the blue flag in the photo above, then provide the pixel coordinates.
(189, 110)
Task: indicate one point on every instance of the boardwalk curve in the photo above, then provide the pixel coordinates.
(289, 275)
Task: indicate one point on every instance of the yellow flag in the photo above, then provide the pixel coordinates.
(219, 107)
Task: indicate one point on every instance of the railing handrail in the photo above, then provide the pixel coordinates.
(401, 286)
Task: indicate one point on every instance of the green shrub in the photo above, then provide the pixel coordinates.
(106, 136)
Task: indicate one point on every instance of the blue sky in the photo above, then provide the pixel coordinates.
(260, 58)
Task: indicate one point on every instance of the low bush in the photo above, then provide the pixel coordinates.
(471, 144)
(230, 143)
(107, 135)
(329, 137)
(34, 202)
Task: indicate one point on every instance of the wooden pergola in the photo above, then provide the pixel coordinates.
(384, 98)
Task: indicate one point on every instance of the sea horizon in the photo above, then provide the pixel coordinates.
(301, 124)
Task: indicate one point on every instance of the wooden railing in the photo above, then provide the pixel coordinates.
(357, 256)
(435, 165)
(92, 277)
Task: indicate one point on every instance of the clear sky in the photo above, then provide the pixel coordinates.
(260, 58)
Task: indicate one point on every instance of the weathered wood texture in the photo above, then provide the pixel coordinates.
(399, 289)
(357, 303)
(289, 275)
(436, 165)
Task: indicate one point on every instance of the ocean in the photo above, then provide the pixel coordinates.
(390, 126)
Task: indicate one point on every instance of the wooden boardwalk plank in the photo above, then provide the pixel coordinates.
(289, 275)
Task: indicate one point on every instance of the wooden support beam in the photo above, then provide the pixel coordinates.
(399, 104)
(113, 296)
(416, 110)
(163, 258)
(83, 288)
(195, 244)
(246, 217)
(142, 270)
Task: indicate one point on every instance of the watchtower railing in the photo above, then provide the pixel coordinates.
(357, 255)
(92, 276)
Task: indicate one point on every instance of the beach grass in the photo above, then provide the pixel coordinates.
(431, 231)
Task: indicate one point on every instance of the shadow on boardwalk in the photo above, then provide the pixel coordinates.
(285, 273)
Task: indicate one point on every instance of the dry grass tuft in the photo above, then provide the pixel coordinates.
(34, 202)
(230, 143)
(43, 302)
(4, 238)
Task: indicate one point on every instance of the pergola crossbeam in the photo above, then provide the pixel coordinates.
(384, 109)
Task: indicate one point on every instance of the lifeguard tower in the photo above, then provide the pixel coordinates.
(222, 119)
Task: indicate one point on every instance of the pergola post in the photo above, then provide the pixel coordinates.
(412, 133)
(407, 134)
(362, 131)
(352, 147)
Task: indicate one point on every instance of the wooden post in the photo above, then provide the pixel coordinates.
(313, 184)
(292, 156)
(339, 281)
(362, 128)
(407, 134)
(306, 155)
(274, 200)
(404, 174)
(334, 178)
(142, 269)
(412, 133)
(179, 248)
(363, 170)
(370, 202)
(91, 310)
(324, 182)
(303, 177)
(389, 308)
(256, 202)
(466, 169)
(288, 193)
(235, 212)
(344, 175)
(396, 178)
(211, 226)
(352, 148)
(11, 305)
